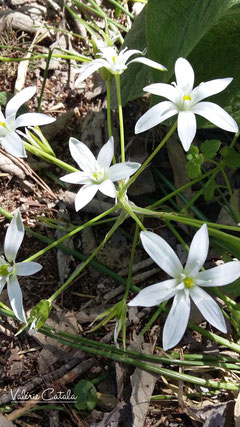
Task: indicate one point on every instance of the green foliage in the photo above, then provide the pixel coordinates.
(231, 158)
(209, 189)
(195, 160)
(40, 313)
(206, 32)
(86, 395)
(209, 148)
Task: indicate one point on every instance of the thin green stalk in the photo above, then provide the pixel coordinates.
(109, 118)
(57, 242)
(149, 159)
(124, 358)
(119, 221)
(125, 297)
(189, 204)
(234, 140)
(50, 52)
(115, 3)
(214, 337)
(234, 203)
(180, 189)
(42, 154)
(154, 317)
(120, 114)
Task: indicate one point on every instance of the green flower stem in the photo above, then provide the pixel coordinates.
(125, 297)
(198, 360)
(109, 115)
(75, 57)
(192, 201)
(184, 187)
(117, 4)
(124, 358)
(234, 203)
(214, 337)
(149, 159)
(231, 304)
(119, 221)
(109, 119)
(120, 114)
(57, 242)
(228, 239)
(171, 358)
(51, 159)
(174, 231)
(154, 317)
(81, 257)
(234, 140)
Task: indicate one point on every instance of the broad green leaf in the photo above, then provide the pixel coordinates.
(86, 395)
(206, 32)
(231, 157)
(210, 148)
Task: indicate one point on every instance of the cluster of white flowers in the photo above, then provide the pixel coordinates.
(98, 174)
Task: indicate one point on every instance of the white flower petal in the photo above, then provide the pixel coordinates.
(85, 195)
(186, 128)
(198, 252)
(177, 320)
(82, 155)
(15, 298)
(126, 53)
(160, 251)
(16, 101)
(154, 294)
(33, 119)
(105, 155)
(157, 114)
(2, 283)
(184, 75)
(76, 178)
(122, 170)
(163, 89)
(108, 188)
(216, 115)
(87, 69)
(209, 308)
(149, 63)
(13, 144)
(27, 268)
(14, 237)
(206, 89)
(220, 275)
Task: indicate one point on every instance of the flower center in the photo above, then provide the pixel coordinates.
(2, 124)
(188, 282)
(187, 98)
(98, 176)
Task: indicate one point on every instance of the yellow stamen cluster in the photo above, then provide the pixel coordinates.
(187, 98)
(188, 282)
(2, 124)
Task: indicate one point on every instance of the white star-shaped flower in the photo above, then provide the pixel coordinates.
(185, 101)
(115, 62)
(9, 269)
(96, 174)
(187, 282)
(9, 137)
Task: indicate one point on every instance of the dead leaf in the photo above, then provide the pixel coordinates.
(143, 384)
